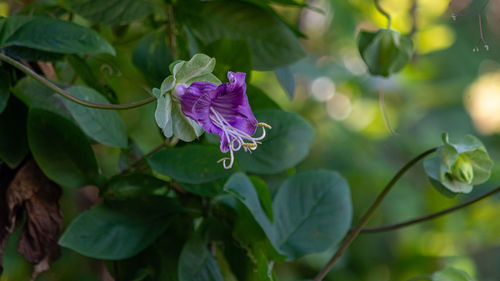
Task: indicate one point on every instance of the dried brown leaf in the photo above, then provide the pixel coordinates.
(32, 193)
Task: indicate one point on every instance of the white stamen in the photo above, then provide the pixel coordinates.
(235, 137)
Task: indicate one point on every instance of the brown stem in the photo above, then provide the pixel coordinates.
(139, 161)
(430, 216)
(172, 32)
(355, 232)
(28, 71)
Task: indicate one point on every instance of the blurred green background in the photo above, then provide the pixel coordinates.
(446, 88)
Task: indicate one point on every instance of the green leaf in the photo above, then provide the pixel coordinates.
(61, 150)
(231, 55)
(161, 258)
(119, 231)
(52, 35)
(152, 56)
(240, 186)
(451, 274)
(224, 266)
(271, 42)
(285, 145)
(34, 94)
(190, 164)
(259, 100)
(264, 195)
(104, 126)
(287, 81)
(197, 264)
(10, 25)
(124, 187)
(13, 140)
(82, 68)
(312, 213)
(209, 189)
(111, 12)
(29, 54)
(385, 51)
(4, 88)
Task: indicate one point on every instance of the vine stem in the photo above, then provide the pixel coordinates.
(172, 32)
(383, 12)
(355, 232)
(67, 95)
(429, 216)
(141, 160)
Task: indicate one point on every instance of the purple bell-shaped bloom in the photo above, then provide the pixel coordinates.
(223, 110)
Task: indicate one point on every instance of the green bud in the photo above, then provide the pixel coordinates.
(385, 51)
(462, 170)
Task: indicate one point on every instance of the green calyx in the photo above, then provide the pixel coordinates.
(462, 170)
(459, 166)
(168, 114)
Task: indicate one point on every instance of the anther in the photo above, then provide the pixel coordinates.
(262, 124)
(250, 145)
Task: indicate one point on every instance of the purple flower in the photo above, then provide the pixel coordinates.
(223, 110)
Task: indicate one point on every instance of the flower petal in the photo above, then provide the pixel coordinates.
(201, 114)
(190, 95)
(231, 102)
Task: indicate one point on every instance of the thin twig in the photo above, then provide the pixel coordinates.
(355, 232)
(383, 12)
(430, 216)
(381, 101)
(67, 95)
(172, 32)
(139, 161)
(414, 18)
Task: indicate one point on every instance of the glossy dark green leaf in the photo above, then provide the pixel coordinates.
(61, 149)
(152, 56)
(104, 126)
(385, 51)
(208, 189)
(312, 213)
(11, 24)
(286, 79)
(52, 35)
(124, 187)
(119, 231)
(29, 54)
(161, 258)
(190, 164)
(13, 141)
(285, 145)
(451, 274)
(112, 11)
(230, 55)
(196, 263)
(271, 42)
(4, 88)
